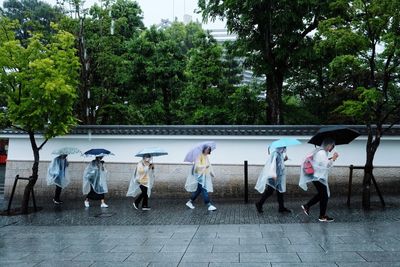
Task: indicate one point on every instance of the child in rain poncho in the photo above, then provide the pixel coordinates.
(273, 178)
(321, 163)
(57, 175)
(199, 181)
(95, 182)
(142, 182)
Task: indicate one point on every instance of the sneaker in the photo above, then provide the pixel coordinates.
(87, 205)
(146, 208)
(259, 207)
(306, 210)
(57, 201)
(211, 208)
(325, 218)
(285, 210)
(103, 205)
(135, 206)
(190, 204)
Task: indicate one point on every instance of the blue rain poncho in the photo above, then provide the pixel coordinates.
(95, 176)
(200, 173)
(321, 165)
(57, 173)
(141, 173)
(273, 173)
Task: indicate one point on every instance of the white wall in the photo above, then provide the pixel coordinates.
(230, 149)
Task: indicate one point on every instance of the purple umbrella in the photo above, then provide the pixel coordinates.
(195, 152)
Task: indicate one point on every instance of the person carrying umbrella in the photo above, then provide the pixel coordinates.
(273, 178)
(95, 181)
(57, 175)
(199, 181)
(321, 163)
(142, 182)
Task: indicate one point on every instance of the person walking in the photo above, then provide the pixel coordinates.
(57, 175)
(273, 178)
(199, 181)
(141, 182)
(95, 182)
(321, 163)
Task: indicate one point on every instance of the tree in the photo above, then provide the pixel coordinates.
(102, 34)
(273, 36)
(367, 44)
(39, 80)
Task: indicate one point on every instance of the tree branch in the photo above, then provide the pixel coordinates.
(45, 141)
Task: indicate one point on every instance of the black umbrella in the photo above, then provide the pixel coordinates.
(341, 134)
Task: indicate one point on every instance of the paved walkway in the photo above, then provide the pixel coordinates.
(171, 235)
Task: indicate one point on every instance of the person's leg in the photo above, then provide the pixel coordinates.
(145, 203)
(139, 198)
(282, 207)
(266, 194)
(196, 193)
(206, 198)
(317, 197)
(323, 204)
(57, 194)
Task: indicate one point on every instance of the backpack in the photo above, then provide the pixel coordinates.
(307, 165)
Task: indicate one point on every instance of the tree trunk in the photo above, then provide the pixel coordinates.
(166, 103)
(372, 146)
(274, 98)
(35, 170)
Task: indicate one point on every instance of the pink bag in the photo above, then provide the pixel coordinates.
(307, 165)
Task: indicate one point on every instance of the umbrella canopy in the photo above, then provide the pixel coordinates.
(285, 142)
(66, 151)
(194, 153)
(341, 134)
(152, 151)
(98, 152)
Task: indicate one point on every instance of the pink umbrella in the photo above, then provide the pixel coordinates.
(195, 152)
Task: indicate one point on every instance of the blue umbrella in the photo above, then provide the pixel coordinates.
(152, 151)
(285, 142)
(98, 152)
(195, 152)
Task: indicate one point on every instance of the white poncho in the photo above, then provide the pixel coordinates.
(200, 173)
(57, 172)
(321, 165)
(141, 171)
(95, 175)
(274, 167)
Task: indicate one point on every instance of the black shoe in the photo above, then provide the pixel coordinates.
(135, 205)
(146, 208)
(306, 210)
(325, 218)
(57, 202)
(283, 210)
(259, 207)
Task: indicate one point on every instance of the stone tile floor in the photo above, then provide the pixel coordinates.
(172, 235)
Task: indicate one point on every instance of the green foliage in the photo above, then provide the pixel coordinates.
(39, 80)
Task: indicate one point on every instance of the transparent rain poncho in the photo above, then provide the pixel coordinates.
(95, 176)
(200, 173)
(57, 172)
(141, 171)
(273, 173)
(321, 165)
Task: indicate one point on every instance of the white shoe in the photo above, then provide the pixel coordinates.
(87, 205)
(103, 205)
(190, 204)
(211, 208)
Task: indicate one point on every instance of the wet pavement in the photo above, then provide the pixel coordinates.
(173, 235)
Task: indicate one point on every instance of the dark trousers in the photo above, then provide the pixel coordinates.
(268, 192)
(203, 191)
(57, 193)
(143, 196)
(94, 196)
(321, 197)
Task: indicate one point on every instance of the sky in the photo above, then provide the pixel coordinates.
(155, 10)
